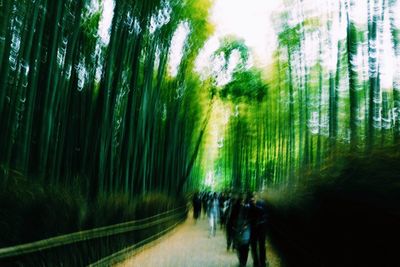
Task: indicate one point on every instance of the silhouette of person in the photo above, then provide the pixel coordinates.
(258, 221)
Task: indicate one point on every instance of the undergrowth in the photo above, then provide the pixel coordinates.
(347, 214)
(30, 211)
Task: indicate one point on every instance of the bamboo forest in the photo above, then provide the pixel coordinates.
(114, 114)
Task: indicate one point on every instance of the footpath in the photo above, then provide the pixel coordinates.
(189, 245)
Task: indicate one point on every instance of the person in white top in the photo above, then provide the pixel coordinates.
(213, 213)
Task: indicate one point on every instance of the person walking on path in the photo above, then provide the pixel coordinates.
(239, 218)
(258, 222)
(231, 205)
(196, 206)
(213, 212)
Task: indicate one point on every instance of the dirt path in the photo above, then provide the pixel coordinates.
(189, 246)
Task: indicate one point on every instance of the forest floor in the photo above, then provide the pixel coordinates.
(190, 246)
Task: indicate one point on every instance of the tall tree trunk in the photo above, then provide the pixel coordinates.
(353, 81)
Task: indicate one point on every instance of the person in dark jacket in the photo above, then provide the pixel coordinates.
(258, 222)
(196, 206)
(239, 219)
(230, 221)
(204, 201)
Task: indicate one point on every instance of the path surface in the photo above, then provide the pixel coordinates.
(189, 246)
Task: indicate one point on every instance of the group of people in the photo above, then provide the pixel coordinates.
(244, 218)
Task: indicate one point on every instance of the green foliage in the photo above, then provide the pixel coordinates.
(289, 36)
(90, 26)
(137, 129)
(240, 153)
(200, 25)
(115, 123)
(324, 94)
(230, 44)
(248, 84)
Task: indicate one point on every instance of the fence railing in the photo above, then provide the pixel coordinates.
(124, 253)
(109, 240)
